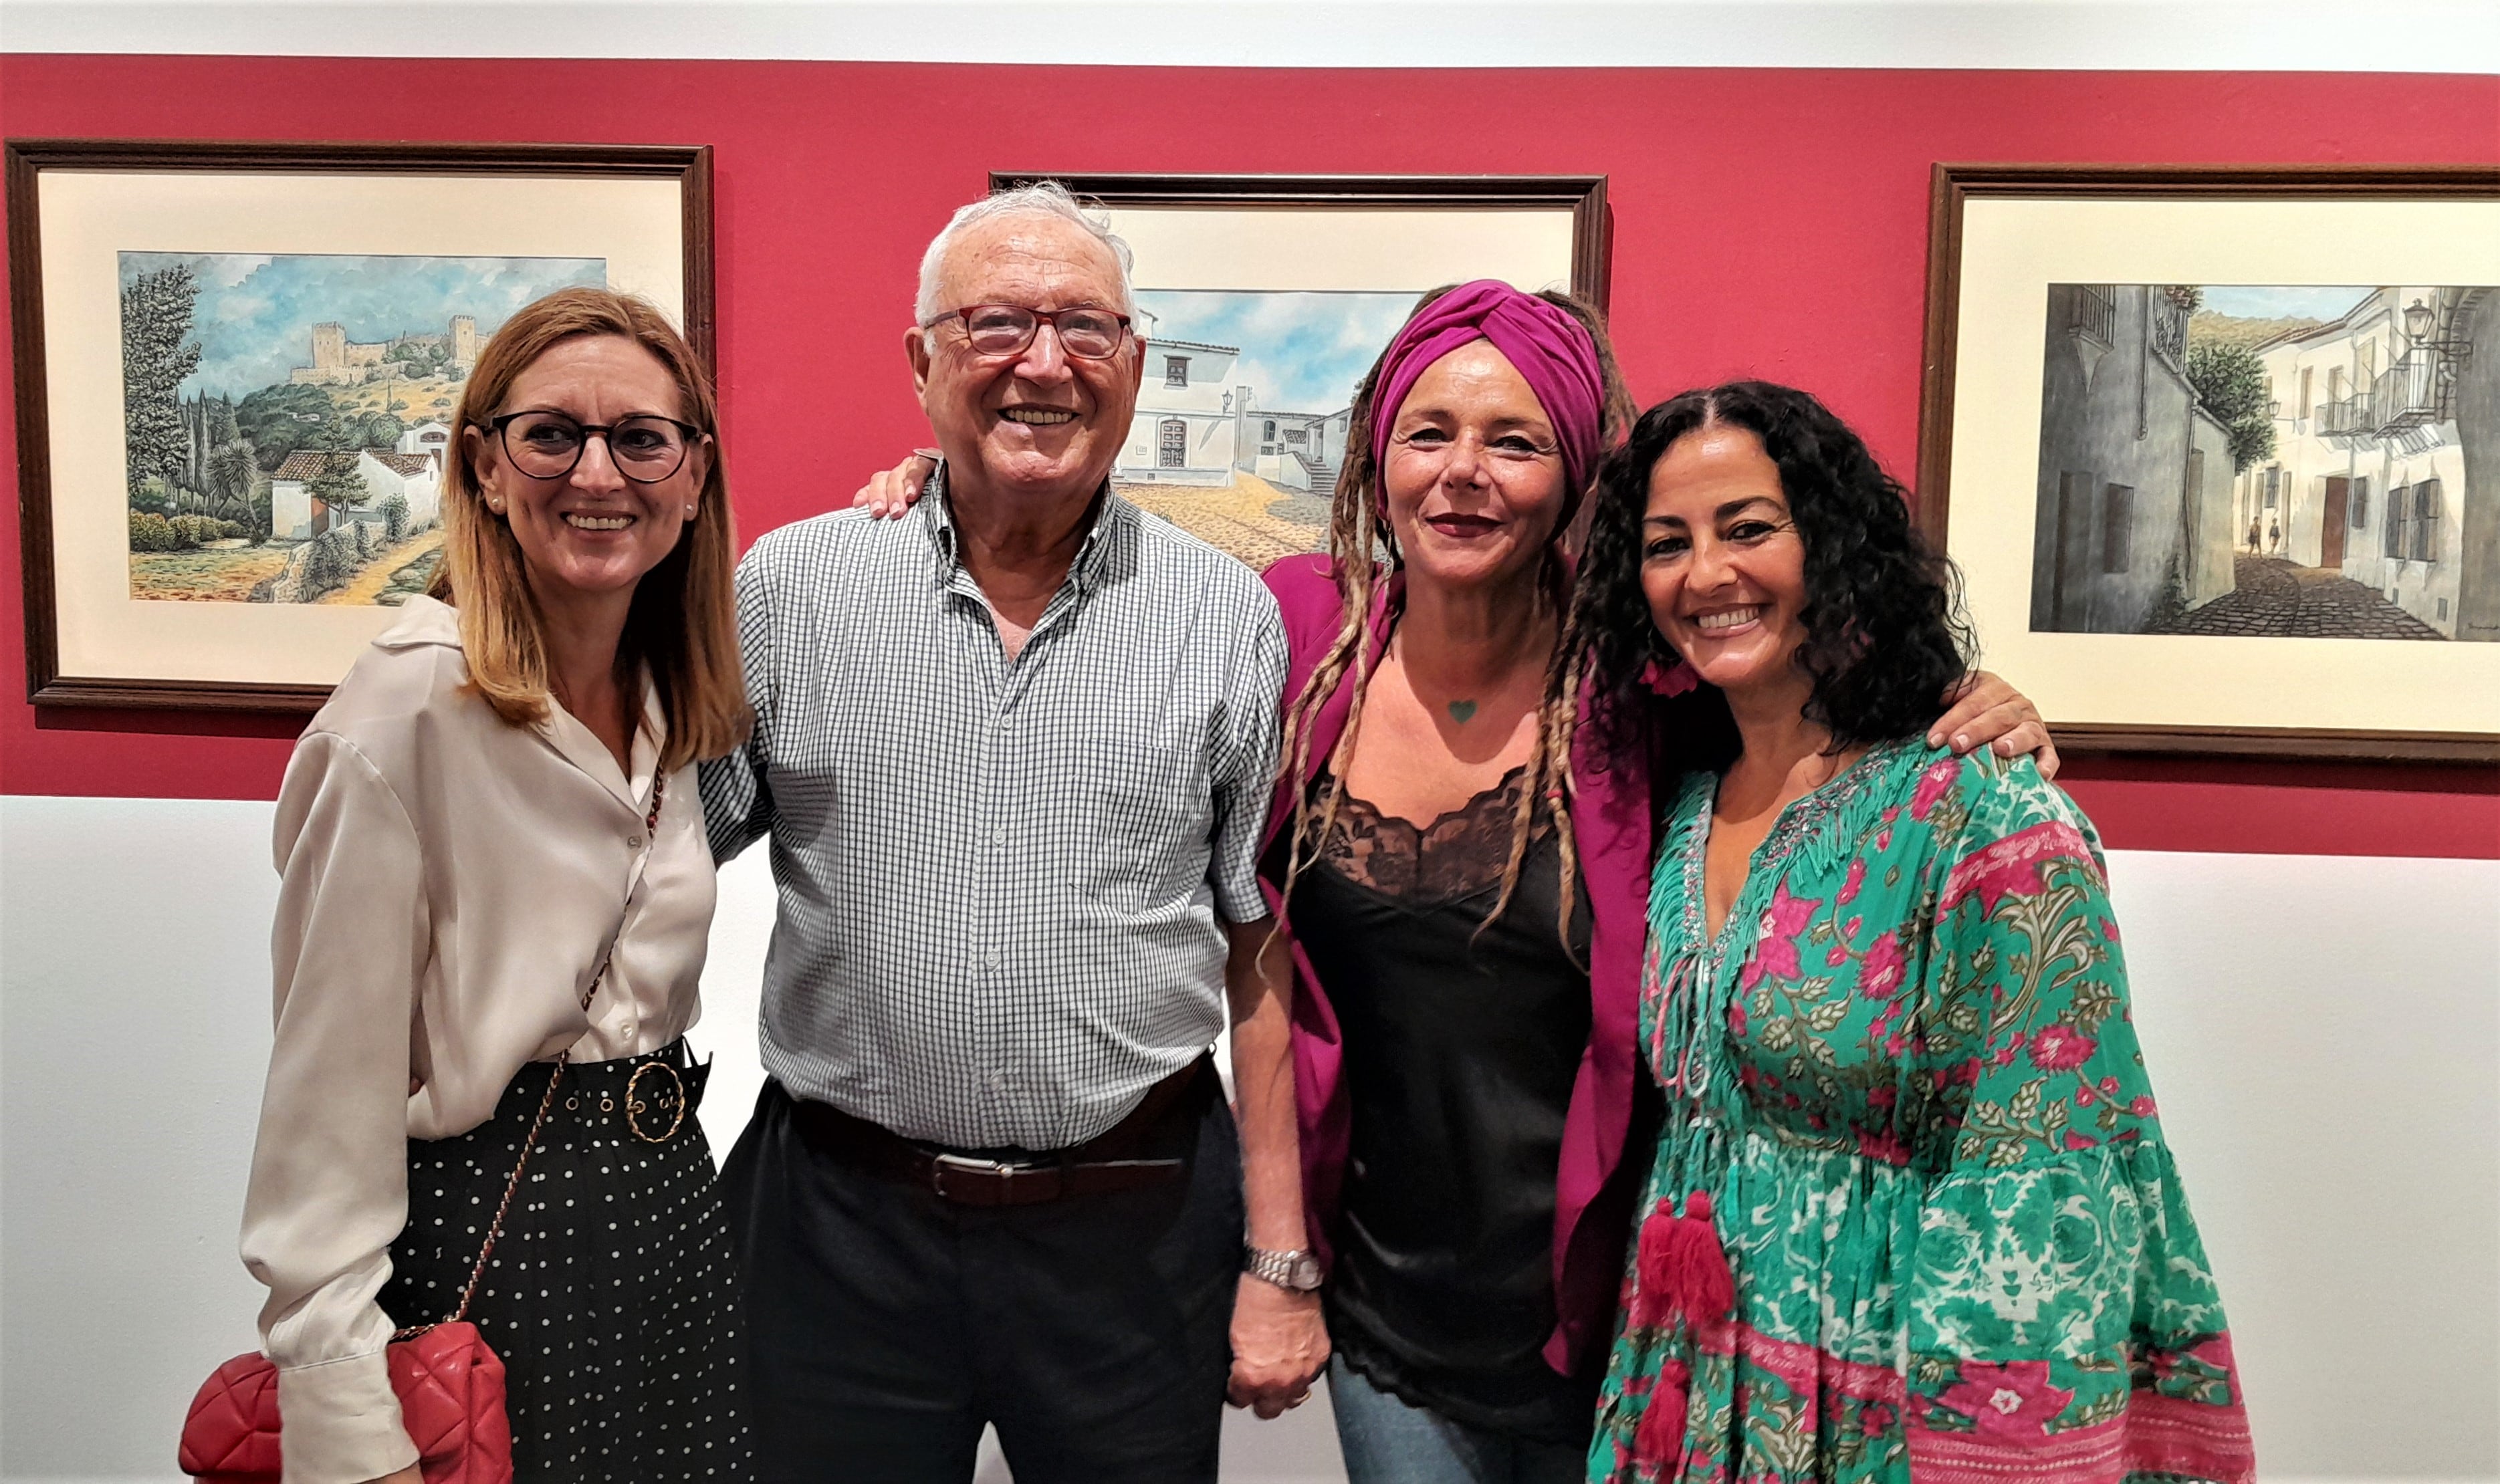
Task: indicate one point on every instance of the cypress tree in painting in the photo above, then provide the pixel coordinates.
(156, 355)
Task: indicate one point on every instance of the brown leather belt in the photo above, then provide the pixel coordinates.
(1112, 1160)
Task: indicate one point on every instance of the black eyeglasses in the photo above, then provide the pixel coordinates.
(544, 444)
(1006, 329)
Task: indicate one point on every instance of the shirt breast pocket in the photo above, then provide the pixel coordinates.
(1149, 816)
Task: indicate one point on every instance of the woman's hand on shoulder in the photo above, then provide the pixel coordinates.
(1986, 711)
(893, 492)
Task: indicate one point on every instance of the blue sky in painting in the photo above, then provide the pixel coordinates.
(2278, 301)
(255, 318)
(1301, 352)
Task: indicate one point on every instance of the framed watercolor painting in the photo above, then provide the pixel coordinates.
(1264, 300)
(2246, 424)
(235, 366)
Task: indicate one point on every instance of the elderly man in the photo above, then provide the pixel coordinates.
(1013, 754)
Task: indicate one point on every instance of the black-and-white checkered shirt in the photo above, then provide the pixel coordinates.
(999, 883)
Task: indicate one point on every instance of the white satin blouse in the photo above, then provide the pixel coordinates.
(450, 884)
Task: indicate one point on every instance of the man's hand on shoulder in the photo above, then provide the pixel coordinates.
(1986, 711)
(891, 493)
(1280, 1346)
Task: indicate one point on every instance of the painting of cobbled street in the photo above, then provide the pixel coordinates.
(1241, 421)
(2273, 461)
(286, 419)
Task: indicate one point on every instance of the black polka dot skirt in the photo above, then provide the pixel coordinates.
(612, 1294)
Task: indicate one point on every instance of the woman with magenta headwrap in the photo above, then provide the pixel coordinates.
(1463, 880)
(1465, 1096)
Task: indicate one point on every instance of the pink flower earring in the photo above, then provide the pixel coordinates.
(1674, 681)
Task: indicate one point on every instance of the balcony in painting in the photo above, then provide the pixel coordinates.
(2170, 327)
(2405, 395)
(2347, 419)
(2092, 313)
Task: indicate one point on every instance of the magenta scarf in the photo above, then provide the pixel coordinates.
(1551, 350)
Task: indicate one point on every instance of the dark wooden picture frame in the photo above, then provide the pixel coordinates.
(1584, 196)
(688, 165)
(1954, 186)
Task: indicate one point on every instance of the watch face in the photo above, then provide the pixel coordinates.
(1296, 1270)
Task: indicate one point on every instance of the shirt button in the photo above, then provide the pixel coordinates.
(989, 961)
(634, 842)
(999, 837)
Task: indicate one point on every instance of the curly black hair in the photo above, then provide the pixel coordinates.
(1885, 636)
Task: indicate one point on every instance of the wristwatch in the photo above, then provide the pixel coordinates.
(1299, 1272)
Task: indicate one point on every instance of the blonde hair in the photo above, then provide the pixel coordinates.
(1363, 553)
(682, 626)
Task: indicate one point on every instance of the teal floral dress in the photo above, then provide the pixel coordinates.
(1911, 1218)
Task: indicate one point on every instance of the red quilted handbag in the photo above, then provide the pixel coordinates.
(450, 1388)
(450, 1398)
(451, 1385)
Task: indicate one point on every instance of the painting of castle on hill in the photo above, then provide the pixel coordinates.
(2278, 461)
(287, 418)
(1242, 416)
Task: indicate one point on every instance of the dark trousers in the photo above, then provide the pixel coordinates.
(886, 1325)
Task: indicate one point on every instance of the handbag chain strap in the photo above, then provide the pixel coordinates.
(546, 1101)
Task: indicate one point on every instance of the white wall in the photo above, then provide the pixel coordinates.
(2455, 35)
(2330, 1087)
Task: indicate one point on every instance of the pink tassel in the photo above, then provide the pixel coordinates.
(1684, 1265)
(1653, 1304)
(1660, 1438)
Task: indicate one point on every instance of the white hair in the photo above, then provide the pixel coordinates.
(1043, 198)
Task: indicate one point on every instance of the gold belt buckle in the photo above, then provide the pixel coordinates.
(634, 1106)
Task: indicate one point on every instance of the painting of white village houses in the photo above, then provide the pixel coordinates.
(1216, 446)
(287, 419)
(2270, 461)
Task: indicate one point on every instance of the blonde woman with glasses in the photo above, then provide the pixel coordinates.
(493, 913)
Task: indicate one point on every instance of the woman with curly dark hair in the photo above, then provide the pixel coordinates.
(1910, 1217)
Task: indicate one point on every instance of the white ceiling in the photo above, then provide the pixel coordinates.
(2447, 36)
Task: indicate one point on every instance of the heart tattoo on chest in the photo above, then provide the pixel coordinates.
(1462, 711)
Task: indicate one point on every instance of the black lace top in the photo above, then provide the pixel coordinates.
(1462, 1042)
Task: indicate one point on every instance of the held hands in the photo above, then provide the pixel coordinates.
(1280, 1346)
(1988, 711)
(893, 492)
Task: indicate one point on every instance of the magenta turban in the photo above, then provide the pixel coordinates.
(1551, 350)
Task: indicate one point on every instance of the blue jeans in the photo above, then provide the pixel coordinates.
(1386, 1441)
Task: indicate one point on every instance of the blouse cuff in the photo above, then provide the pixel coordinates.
(340, 1422)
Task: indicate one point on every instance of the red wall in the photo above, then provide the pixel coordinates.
(1767, 222)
